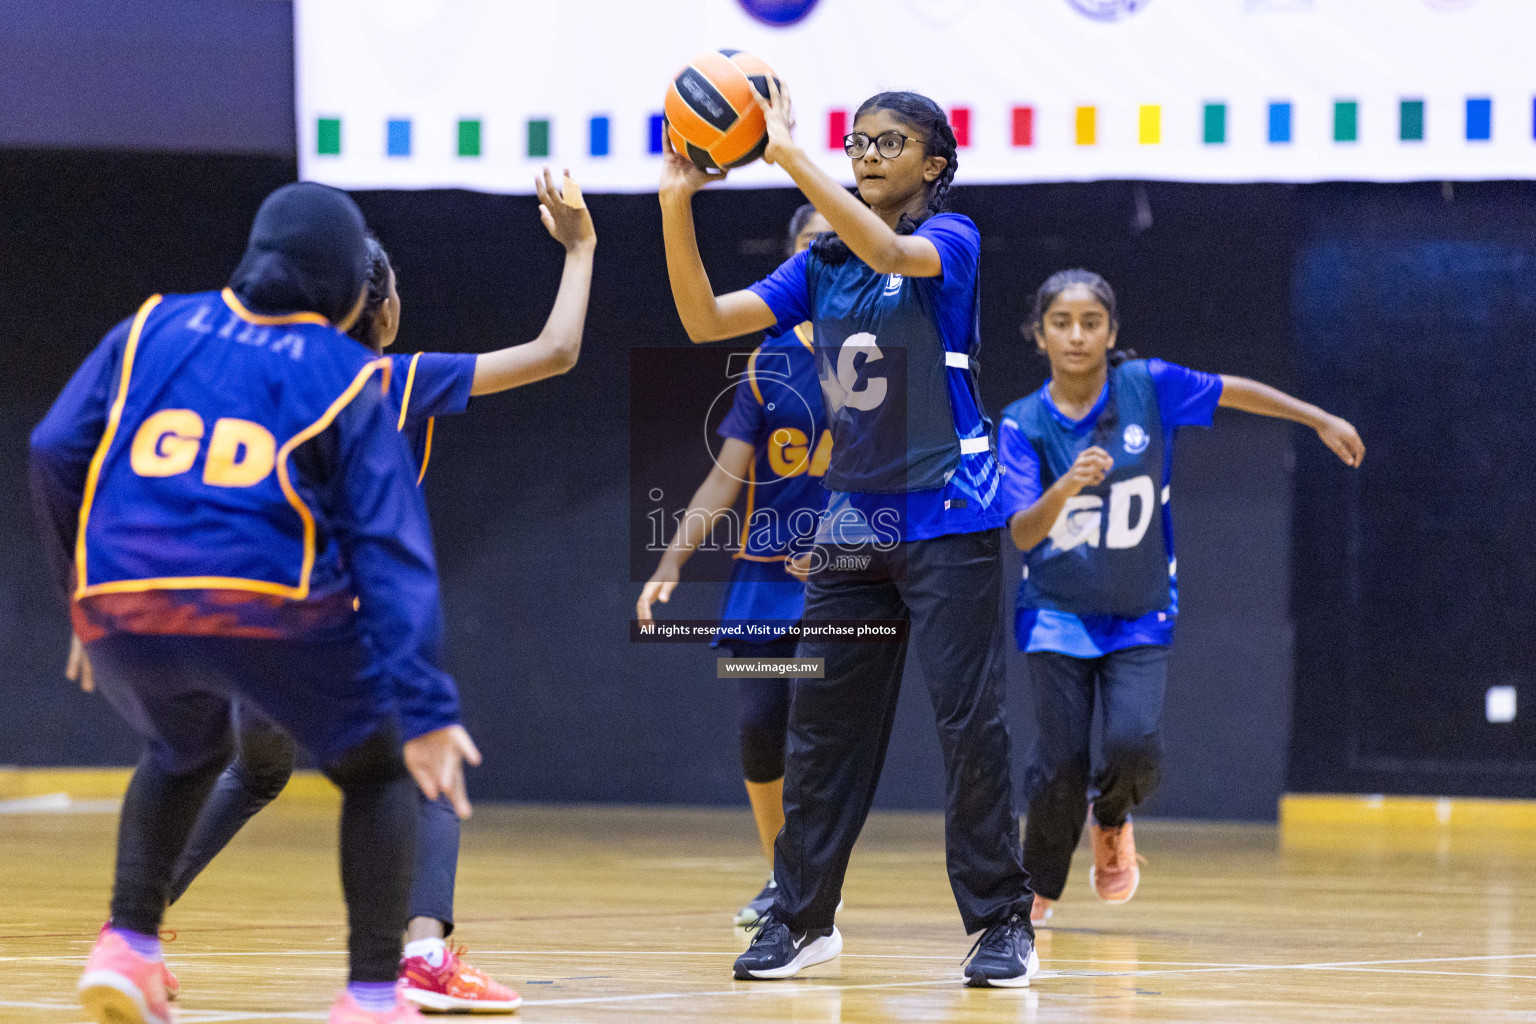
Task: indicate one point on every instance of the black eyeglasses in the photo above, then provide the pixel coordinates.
(890, 144)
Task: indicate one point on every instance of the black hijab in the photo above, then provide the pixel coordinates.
(307, 253)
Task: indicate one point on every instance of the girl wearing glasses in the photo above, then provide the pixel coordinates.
(1088, 460)
(911, 530)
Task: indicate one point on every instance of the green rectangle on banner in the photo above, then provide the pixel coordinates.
(1215, 124)
(1411, 121)
(469, 138)
(328, 136)
(538, 138)
(1346, 121)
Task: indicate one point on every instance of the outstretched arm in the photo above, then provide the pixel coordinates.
(555, 350)
(715, 496)
(705, 316)
(870, 238)
(1261, 399)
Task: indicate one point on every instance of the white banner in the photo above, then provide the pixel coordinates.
(479, 94)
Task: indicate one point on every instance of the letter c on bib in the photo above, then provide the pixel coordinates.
(873, 392)
(166, 443)
(240, 454)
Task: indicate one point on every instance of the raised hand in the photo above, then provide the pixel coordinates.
(436, 761)
(1343, 439)
(680, 174)
(564, 212)
(779, 113)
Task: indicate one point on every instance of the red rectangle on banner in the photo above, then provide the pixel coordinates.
(960, 121)
(837, 127)
(1023, 126)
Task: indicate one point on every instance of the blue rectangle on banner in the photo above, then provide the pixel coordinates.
(1479, 119)
(598, 132)
(399, 138)
(658, 125)
(1279, 122)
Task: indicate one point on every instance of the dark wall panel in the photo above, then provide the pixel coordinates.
(1415, 307)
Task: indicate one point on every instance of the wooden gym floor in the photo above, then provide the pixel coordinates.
(601, 915)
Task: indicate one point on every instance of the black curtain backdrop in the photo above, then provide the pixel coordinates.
(530, 492)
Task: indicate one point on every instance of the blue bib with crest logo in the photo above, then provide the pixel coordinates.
(1107, 553)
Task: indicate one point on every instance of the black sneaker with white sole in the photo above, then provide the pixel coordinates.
(776, 952)
(1004, 956)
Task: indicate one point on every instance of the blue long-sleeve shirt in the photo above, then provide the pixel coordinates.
(212, 471)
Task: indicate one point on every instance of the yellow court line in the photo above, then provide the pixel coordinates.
(1329, 810)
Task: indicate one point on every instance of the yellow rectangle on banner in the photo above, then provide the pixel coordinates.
(1149, 125)
(1087, 126)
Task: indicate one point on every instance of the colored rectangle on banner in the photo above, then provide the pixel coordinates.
(328, 136)
(1279, 122)
(398, 137)
(960, 122)
(1149, 125)
(538, 137)
(1215, 127)
(1479, 119)
(597, 136)
(1410, 121)
(837, 127)
(1087, 123)
(658, 128)
(1023, 126)
(1346, 121)
(469, 138)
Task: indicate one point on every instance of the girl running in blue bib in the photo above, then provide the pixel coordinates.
(1087, 461)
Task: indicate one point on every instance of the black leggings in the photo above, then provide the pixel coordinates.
(762, 713)
(263, 763)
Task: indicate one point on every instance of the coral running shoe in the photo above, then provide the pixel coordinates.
(453, 986)
(1040, 911)
(346, 1011)
(121, 987)
(1115, 872)
(172, 986)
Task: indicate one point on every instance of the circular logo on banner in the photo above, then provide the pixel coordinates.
(1108, 10)
(1136, 439)
(778, 13)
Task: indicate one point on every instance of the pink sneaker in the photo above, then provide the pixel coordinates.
(346, 1011)
(172, 986)
(121, 987)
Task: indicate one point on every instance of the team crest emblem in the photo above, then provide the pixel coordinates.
(893, 284)
(1108, 10)
(1136, 439)
(778, 13)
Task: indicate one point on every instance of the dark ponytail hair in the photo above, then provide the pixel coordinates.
(379, 270)
(926, 117)
(1109, 420)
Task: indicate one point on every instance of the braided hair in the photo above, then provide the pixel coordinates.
(379, 271)
(926, 117)
(1108, 424)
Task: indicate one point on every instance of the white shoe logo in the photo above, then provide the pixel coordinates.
(797, 943)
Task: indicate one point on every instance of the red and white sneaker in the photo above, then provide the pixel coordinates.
(346, 1011)
(121, 987)
(453, 986)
